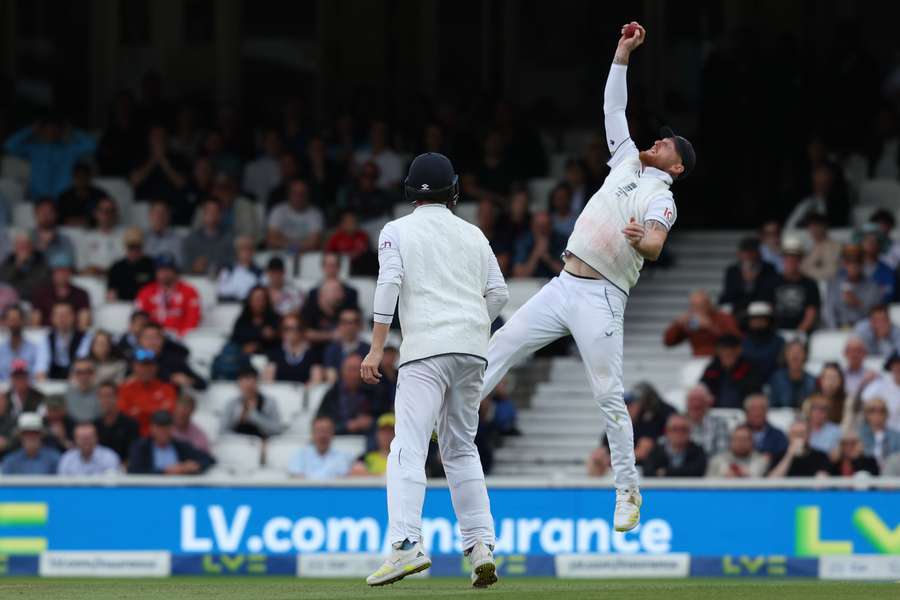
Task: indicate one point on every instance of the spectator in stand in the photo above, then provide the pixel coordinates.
(21, 395)
(18, 347)
(740, 460)
(60, 426)
(289, 170)
(676, 455)
(501, 411)
(576, 176)
(347, 341)
(186, 137)
(823, 434)
(828, 198)
(561, 212)
(82, 403)
(60, 290)
(351, 241)
(887, 387)
(52, 149)
(102, 246)
(749, 280)
(880, 336)
(331, 271)
(183, 429)
(224, 159)
(171, 359)
(256, 328)
(198, 189)
(319, 460)
(701, 325)
(850, 295)
(879, 441)
(822, 261)
(144, 393)
(730, 376)
(708, 431)
(886, 222)
(762, 345)
(295, 225)
(262, 175)
(322, 173)
(46, 237)
(170, 302)
(33, 458)
(162, 173)
(800, 459)
(24, 269)
(128, 275)
(209, 246)
(856, 375)
(536, 253)
(375, 461)
(253, 413)
(128, 341)
(114, 430)
(8, 416)
(797, 302)
(390, 165)
(295, 360)
(832, 387)
(162, 454)
(363, 197)
(237, 279)
(494, 171)
(88, 457)
(519, 217)
(63, 343)
(599, 463)
(76, 204)
(161, 238)
(283, 295)
(873, 268)
(767, 439)
(498, 236)
(239, 216)
(849, 458)
(321, 312)
(349, 403)
(770, 244)
(121, 145)
(791, 384)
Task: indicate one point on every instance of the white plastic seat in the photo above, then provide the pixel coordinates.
(23, 215)
(373, 230)
(287, 396)
(138, 215)
(677, 398)
(539, 192)
(238, 453)
(314, 396)
(52, 387)
(206, 289)
(18, 169)
(692, 371)
(351, 445)
(113, 316)
(12, 191)
(221, 317)
(782, 418)
(310, 266)
(119, 190)
(467, 211)
(95, 288)
(281, 449)
(209, 423)
(732, 416)
(301, 424)
(880, 193)
(203, 345)
(894, 312)
(827, 345)
(365, 289)
(218, 396)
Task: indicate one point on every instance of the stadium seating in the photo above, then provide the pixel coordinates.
(204, 345)
(23, 215)
(209, 423)
(120, 191)
(351, 445)
(15, 168)
(113, 316)
(12, 191)
(221, 317)
(827, 345)
(883, 193)
(311, 266)
(206, 289)
(238, 454)
(365, 288)
(539, 192)
(280, 451)
(95, 288)
(314, 396)
(290, 261)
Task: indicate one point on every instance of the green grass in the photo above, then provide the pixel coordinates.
(283, 588)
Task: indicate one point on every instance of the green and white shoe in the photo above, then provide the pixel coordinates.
(628, 509)
(484, 569)
(400, 564)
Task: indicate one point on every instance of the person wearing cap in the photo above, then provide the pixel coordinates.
(850, 295)
(252, 412)
(18, 347)
(750, 279)
(159, 453)
(160, 237)
(102, 245)
(172, 303)
(701, 325)
(823, 258)
(25, 268)
(880, 336)
(295, 225)
(46, 236)
(762, 345)
(63, 342)
(828, 197)
(729, 376)
(210, 245)
(871, 242)
(60, 289)
(887, 387)
(849, 458)
(796, 297)
(114, 430)
(88, 457)
(144, 393)
(132, 272)
(790, 385)
(22, 395)
(374, 462)
(239, 277)
(32, 458)
(171, 359)
(285, 297)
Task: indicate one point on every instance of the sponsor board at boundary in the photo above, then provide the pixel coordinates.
(105, 564)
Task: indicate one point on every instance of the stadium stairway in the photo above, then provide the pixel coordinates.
(561, 423)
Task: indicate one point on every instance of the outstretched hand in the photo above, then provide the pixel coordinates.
(629, 44)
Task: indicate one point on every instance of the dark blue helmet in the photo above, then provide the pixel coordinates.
(431, 177)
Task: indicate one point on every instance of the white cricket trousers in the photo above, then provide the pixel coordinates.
(592, 311)
(444, 390)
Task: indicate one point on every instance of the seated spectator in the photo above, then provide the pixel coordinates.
(880, 336)
(730, 376)
(885, 221)
(749, 280)
(707, 430)
(60, 290)
(497, 234)
(161, 454)
(849, 459)
(128, 275)
(800, 459)
(501, 410)
(649, 413)
(701, 325)
(128, 341)
(561, 212)
(347, 341)
(8, 418)
(828, 197)
(284, 296)
(121, 145)
(767, 439)
(114, 430)
(88, 457)
(822, 260)
(519, 215)
(252, 413)
(24, 269)
(63, 343)
(762, 345)
(295, 225)
(536, 252)
(199, 188)
(770, 244)
(162, 173)
(331, 271)
(289, 169)
(262, 174)
(169, 301)
(363, 197)
(82, 403)
(599, 463)
(576, 176)
(183, 429)
(319, 460)
(8, 294)
(21, 395)
(17, 348)
(494, 171)
(797, 302)
(823, 434)
(887, 387)
(676, 455)
(109, 364)
(160, 237)
(77, 204)
(351, 241)
(349, 403)
(740, 460)
(60, 426)
(856, 375)
(850, 295)
(46, 237)
(791, 384)
(239, 216)
(878, 440)
(321, 312)
(238, 278)
(144, 393)
(374, 462)
(830, 385)
(209, 246)
(32, 458)
(379, 151)
(873, 268)
(102, 246)
(295, 359)
(171, 359)
(256, 328)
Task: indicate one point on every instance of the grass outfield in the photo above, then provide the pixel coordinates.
(284, 588)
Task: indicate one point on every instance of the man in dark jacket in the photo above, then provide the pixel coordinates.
(173, 358)
(730, 377)
(349, 403)
(161, 454)
(748, 280)
(676, 455)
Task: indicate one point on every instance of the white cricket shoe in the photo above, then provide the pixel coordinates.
(628, 509)
(400, 564)
(484, 569)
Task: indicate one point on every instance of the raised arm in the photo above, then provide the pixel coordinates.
(615, 97)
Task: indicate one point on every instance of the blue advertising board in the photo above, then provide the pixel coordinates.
(282, 521)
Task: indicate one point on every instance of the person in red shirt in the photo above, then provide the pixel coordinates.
(701, 326)
(169, 301)
(144, 393)
(353, 242)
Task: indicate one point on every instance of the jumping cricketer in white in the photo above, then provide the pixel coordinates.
(625, 222)
(450, 289)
